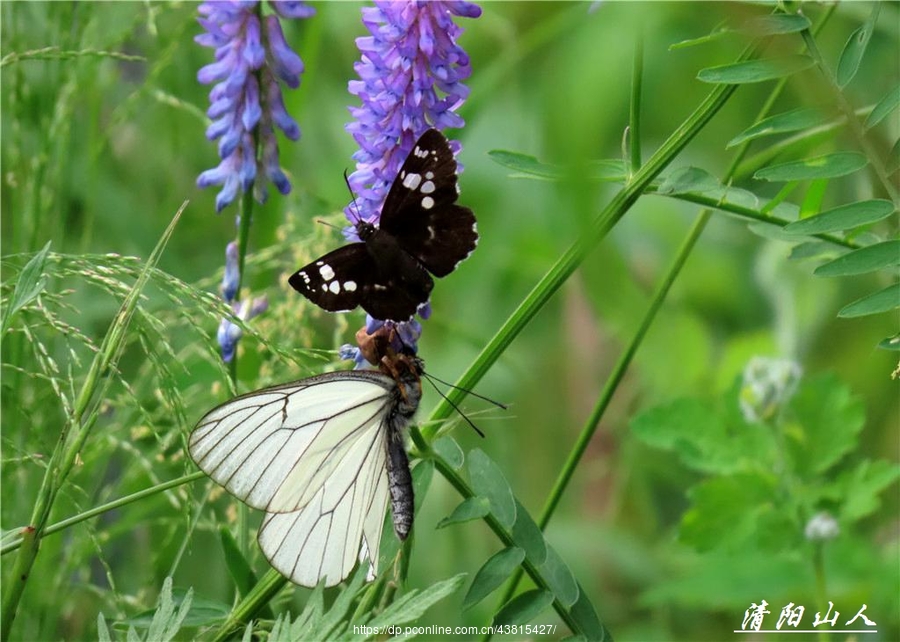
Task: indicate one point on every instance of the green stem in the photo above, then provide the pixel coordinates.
(260, 595)
(243, 241)
(625, 359)
(243, 517)
(116, 503)
(502, 534)
(572, 258)
(634, 118)
(752, 214)
(818, 561)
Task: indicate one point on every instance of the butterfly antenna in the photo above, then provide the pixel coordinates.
(327, 224)
(453, 405)
(352, 196)
(468, 392)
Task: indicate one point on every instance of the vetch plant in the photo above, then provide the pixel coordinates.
(246, 105)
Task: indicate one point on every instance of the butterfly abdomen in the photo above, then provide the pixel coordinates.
(400, 484)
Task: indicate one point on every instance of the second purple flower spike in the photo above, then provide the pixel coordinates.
(246, 105)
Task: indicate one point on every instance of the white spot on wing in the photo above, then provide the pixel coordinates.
(419, 152)
(326, 272)
(427, 187)
(350, 286)
(412, 181)
(430, 232)
(429, 175)
(427, 202)
(335, 287)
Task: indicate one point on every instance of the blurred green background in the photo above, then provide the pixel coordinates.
(98, 153)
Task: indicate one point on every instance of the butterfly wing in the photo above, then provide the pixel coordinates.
(336, 281)
(420, 210)
(349, 277)
(317, 543)
(280, 448)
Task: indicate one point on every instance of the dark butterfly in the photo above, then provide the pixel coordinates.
(422, 230)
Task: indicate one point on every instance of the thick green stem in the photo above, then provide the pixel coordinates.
(625, 359)
(573, 257)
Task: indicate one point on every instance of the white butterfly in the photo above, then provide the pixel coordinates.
(320, 456)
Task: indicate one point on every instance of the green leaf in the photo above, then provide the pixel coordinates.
(824, 420)
(524, 607)
(862, 261)
(524, 163)
(827, 166)
(845, 217)
(470, 508)
(167, 621)
(884, 107)
(338, 612)
(704, 437)
(492, 574)
(688, 179)
(206, 613)
(852, 55)
(314, 609)
(881, 301)
(890, 343)
(725, 511)
(810, 249)
(103, 630)
(281, 630)
(422, 474)
(559, 578)
(241, 573)
(719, 31)
(751, 71)
(789, 121)
(30, 284)
(893, 160)
(862, 486)
(449, 451)
(488, 481)
(775, 24)
(770, 231)
(601, 170)
(586, 619)
(528, 536)
(413, 604)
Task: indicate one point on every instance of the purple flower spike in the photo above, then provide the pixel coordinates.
(410, 79)
(251, 57)
(411, 76)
